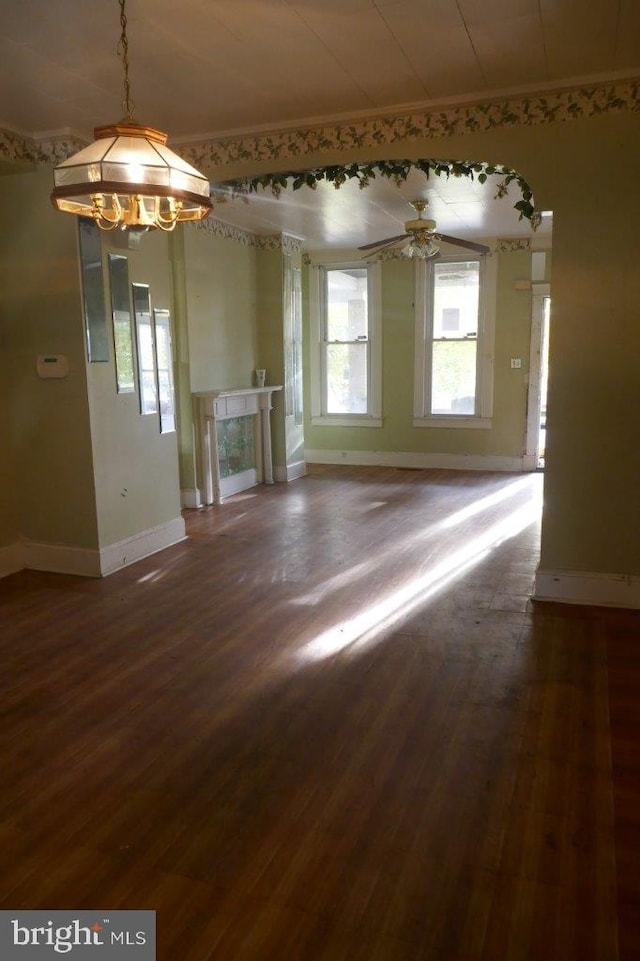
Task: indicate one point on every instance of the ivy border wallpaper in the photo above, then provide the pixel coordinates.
(286, 145)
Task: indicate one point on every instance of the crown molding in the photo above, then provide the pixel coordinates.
(286, 243)
(524, 91)
(376, 132)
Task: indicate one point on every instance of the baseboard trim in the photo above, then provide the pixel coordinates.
(597, 590)
(61, 559)
(289, 472)
(410, 459)
(190, 498)
(133, 549)
(11, 559)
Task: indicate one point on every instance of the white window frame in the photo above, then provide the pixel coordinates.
(317, 378)
(423, 303)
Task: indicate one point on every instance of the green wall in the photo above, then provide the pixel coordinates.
(584, 170)
(81, 468)
(216, 338)
(46, 482)
(220, 277)
(512, 333)
(9, 506)
(136, 467)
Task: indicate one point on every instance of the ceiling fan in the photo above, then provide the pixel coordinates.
(422, 236)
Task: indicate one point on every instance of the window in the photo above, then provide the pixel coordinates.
(454, 342)
(346, 356)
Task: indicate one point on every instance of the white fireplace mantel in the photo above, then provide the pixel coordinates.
(212, 406)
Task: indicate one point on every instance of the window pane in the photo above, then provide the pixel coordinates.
(347, 304)
(347, 379)
(455, 300)
(165, 370)
(453, 381)
(146, 350)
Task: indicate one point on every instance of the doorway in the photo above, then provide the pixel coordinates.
(536, 435)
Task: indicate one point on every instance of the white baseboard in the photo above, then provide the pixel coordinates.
(87, 562)
(11, 559)
(382, 458)
(236, 483)
(190, 498)
(583, 587)
(61, 559)
(289, 472)
(133, 549)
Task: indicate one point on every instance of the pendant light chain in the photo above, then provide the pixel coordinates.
(123, 51)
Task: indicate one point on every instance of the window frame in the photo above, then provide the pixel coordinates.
(318, 346)
(424, 302)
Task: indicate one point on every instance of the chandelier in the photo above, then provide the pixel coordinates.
(128, 177)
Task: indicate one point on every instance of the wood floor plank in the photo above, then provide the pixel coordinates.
(329, 725)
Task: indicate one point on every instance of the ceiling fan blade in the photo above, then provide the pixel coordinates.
(383, 243)
(479, 248)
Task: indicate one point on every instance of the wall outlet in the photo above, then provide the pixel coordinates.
(516, 363)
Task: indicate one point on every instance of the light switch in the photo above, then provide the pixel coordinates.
(516, 363)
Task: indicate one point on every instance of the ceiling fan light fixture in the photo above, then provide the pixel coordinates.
(421, 249)
(128, 177)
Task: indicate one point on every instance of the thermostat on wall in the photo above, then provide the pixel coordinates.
(52, 365)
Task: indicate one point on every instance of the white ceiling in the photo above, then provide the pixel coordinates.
(349, 217)
(209, 67)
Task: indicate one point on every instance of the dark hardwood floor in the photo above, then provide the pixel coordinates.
(330, 726)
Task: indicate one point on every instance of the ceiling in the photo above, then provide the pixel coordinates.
(206, 68)
(349, 217)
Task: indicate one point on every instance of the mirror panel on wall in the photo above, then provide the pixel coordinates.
(146, 349)
(122, 332)
(164, 368)
(93, 295)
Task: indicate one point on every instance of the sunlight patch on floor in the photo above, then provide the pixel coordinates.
(338, 581)
(344, 578)
(151, 577)
(357, 632)
(491, 500)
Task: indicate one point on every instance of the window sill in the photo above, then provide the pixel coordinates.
(454, 421)
(345, 420)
